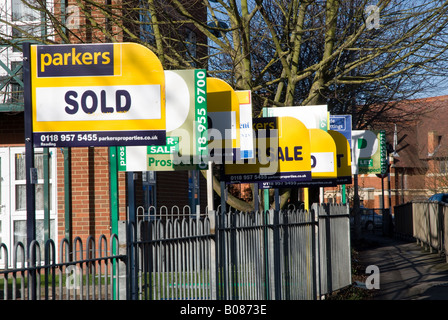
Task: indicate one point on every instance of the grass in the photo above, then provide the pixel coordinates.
(93, 279)
(172, 285)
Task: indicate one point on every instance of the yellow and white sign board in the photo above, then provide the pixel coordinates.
(323, 155)
(343, 157)
(223, 119)
(313, 117)
(282, 154)
(97, 95)
(322, 162)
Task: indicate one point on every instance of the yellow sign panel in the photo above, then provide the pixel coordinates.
(97, 94)
(243, 96)
(323, 155)
(223, 114)
(282, 153)
(344, 162)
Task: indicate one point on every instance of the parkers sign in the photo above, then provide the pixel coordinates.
(97, 95)
(79, 60)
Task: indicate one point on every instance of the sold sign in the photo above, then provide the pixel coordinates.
(97, 95)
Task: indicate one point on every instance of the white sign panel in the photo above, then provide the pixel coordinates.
(322, 162)
(98, 103)
(246, 132)
(313, 117)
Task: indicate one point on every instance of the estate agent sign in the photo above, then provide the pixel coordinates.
(282, 154)
(97, 95)
(186, 146)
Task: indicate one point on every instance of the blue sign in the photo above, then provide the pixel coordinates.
(342, 124)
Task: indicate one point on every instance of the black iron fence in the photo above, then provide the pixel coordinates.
(76, 273)
(291, 254)
(284, 255)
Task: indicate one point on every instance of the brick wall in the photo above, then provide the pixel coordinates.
(93, 26)
(90, 192)
(90, 188)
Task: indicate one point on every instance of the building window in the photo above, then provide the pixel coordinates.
(16, 89)
(25, 31)
(20, 228)
(27, 21)
(13, 214)
(22, 11)
(146, 31)
(21, 187)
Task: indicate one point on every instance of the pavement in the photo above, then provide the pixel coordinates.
(407, 271)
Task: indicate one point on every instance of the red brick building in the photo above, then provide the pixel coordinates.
(419, 168)
(83, 173)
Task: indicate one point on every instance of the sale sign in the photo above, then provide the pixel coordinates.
(343, 157)
(313, 117)
(246, 132)
(282, 154)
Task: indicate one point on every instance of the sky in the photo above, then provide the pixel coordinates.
(439, 90)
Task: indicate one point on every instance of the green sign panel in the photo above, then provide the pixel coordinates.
(171, 146)
(369, 154)
(186, 146)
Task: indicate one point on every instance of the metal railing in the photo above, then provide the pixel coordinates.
(172, 259)
(291, 254)
(264, 255)
(75, 274)
(334, 247)
(424, 221)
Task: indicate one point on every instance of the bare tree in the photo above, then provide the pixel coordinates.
(348, 54)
